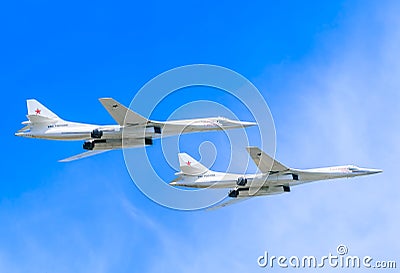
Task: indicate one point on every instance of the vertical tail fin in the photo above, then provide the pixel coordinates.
(37, 112)
(190, 166)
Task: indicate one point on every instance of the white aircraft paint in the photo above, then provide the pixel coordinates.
(133, 130)
(274, 178)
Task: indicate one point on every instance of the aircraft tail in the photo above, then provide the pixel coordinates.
(190, 166)
(38, 113)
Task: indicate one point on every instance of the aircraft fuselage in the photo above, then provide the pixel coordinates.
(294, 177)
(102, 137)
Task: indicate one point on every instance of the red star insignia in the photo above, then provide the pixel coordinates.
(188, 163)
(38, 111)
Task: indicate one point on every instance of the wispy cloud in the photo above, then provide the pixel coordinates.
(343, 111)
(338, 105)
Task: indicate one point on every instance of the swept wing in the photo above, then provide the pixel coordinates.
(121, 114)
(83, 155)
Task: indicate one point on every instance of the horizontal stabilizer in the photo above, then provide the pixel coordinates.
(34, 119)
(83, 155)
(121, 114)
(190, 166)
(27, 127)
(264, 162)
(178, 178)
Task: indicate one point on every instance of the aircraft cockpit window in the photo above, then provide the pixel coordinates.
(353, 169)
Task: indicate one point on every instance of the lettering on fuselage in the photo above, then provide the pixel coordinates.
(57, 125)
(209, 123)
(206, 175)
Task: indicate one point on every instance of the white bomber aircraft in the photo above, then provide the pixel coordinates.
(274, 178)
(137, 131)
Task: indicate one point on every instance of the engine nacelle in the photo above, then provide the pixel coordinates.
(233, 193)
(96, 133)
(148, 141)
(241, 181)
(88, 145)
(157, 130)
(109, 144)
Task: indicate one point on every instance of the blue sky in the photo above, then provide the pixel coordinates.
(328, 70)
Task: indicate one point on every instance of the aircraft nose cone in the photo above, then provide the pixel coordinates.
(248, 123)
(372, 171)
